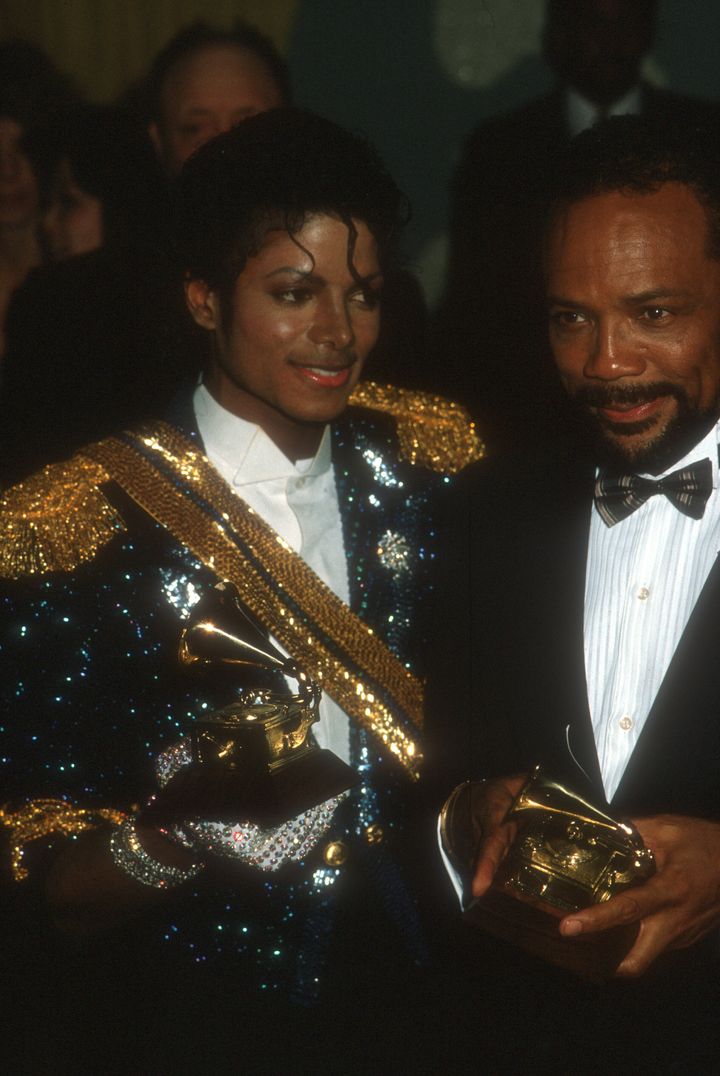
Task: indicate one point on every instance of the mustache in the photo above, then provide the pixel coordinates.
(609, 395)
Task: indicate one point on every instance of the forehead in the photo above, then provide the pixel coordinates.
(615, 239)
(218, 72)
(321, 246)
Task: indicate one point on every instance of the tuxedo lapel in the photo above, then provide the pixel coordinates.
(547, 583)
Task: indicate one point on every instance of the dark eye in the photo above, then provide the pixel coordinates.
(369, 298)
(294, 296)
(656, 313)
(567, 319)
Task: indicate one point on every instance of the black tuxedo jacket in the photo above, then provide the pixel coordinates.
(509, 689)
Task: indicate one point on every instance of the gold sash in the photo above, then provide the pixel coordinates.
(176, 484)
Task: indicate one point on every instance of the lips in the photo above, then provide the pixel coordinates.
(331, 377)
(620, 413)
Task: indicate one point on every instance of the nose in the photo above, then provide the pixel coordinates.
(613, 353)
(332, 327)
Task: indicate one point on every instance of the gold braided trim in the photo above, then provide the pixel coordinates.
(211, 543)
(56, 519)
(44, 818)
(433, 432)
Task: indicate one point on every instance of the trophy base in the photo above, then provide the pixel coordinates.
(594, 957)
(221, 793)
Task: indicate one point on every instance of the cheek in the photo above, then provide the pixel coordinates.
(709, 392)
(570, 359)
(366, 329)
(268, 328)
(90, 222)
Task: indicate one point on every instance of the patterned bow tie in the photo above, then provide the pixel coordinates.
(688, 489)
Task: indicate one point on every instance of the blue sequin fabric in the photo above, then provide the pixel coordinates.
(92, 691)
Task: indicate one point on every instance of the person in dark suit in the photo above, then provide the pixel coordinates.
(491, 320)
(589, 634)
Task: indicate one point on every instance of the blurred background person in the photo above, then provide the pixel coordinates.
(491, 326)
(204, 82)
(87, 162)
(30, 86)
(102, 339)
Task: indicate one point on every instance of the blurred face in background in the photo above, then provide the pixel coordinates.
(597, 46)
(207, 93)
(73, 221)
(18, 185)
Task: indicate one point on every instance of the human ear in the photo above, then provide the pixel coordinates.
(202, 303)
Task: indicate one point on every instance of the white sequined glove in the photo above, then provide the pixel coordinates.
(267, 849)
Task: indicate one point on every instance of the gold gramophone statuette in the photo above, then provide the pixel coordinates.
(567, 855)
(261, 745)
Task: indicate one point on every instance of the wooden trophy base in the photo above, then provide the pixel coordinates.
(594, 957)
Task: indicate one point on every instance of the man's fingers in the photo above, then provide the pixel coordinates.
(493, 852)
(627, 908)
(649, 944)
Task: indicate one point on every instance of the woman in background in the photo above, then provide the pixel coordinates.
(30, 87)
(87, 164)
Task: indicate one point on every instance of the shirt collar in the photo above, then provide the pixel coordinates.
(705, 449)
(582, 113)
(246, 449)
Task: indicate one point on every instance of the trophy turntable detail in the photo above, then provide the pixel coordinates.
(567, 854)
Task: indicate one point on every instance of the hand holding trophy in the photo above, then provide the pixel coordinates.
(249, 783)
(558, 854)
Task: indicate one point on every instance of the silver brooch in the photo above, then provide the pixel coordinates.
(394, 552)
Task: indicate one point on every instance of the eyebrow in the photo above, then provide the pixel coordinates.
(653, 295)
(657, 293)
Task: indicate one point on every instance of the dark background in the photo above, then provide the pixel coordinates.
(373, 65)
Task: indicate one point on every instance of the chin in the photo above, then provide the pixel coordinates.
(316, 416)
(657, 451)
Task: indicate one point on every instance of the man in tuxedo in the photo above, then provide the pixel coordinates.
(590, 629)
(491, 320)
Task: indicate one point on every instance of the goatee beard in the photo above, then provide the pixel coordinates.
(686, 428)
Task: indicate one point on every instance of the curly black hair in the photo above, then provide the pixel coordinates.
(275, 170)
(637, 155)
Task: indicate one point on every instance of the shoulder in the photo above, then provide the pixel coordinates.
(504, 493)
(533, 118)
(56, 519)
(677, 108)
(429, 431)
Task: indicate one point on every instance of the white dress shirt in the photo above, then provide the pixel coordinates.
(582, 113)
(298, 500)
(644, 576)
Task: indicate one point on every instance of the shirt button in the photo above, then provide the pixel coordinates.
(643, 593)
(626, 723)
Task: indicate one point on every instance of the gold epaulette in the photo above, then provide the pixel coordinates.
(433, 432)
(56, 519)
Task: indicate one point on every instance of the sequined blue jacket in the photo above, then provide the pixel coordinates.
(92, 690)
